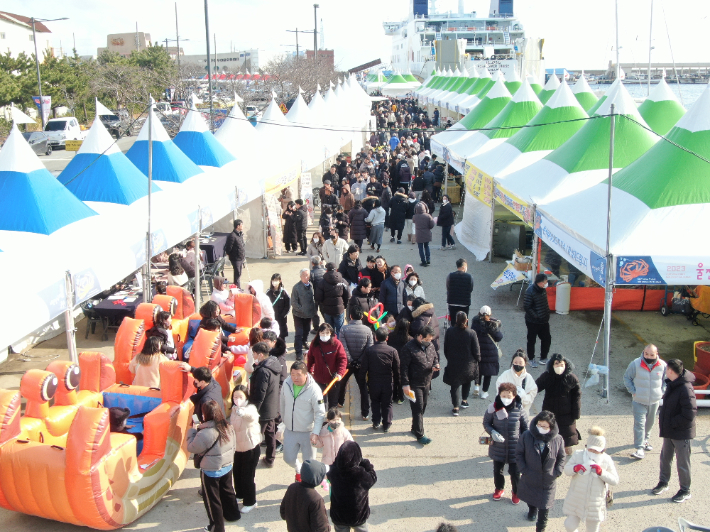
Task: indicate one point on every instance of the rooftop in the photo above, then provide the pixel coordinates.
(23, 21)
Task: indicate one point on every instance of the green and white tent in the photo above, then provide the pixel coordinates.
(444, 79)
(612, 88)
(379, 82)
(549, 89)
(484, 78)
(445, 89)
(583, 92)
(517, 112)
(661, 110)
(453, 89)
(534, 84)
(494, 102)
(557, 121)
(512, 81)
(657, 203)
(435, 77)
(582, 161)
(454, 101)
(396, 86)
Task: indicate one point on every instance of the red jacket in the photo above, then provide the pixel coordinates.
(324, 360)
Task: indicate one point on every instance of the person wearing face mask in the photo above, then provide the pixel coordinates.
(524, 383)
(290, 236)
(315, 247)
(335, 248)
(418, 361)
(505, 420)
(537, 319)
(563, 397)
(540, 460)
(245, 421)
(463, 355)
(645, 380)
(304, 310)
(363, 299)
(592, 472)
(446, 222)
(356, 338)
(424, 315)
(379, 274)
(392, 292)
(414, 286)
(359, 188)
(332, 296)
(327, 360)
(264, 388)
(281, 303)
(206, 388)
(332, 436)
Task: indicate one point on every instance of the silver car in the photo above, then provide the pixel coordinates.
(39, 142)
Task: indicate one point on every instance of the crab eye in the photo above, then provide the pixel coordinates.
(49, 387)
(72, 377)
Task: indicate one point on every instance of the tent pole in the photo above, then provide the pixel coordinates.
(265, 218)
(236, 204)
(493, 222)
(609, 284)
(69, 317)
(535, 254)
(148, 250)
(198, 281)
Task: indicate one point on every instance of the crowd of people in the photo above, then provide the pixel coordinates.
(373, 328)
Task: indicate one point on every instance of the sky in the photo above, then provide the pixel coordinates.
(577, 34)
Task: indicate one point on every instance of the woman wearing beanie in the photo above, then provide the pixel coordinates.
(521, 379)
(563, 397)
(540, 458)
(592, 472)
(488, 330)
(505, 420)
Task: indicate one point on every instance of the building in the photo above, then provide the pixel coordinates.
(16, 35)
(125, 43)
(327, 55)
(228, 61)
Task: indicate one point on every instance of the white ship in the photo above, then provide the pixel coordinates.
(428, 39)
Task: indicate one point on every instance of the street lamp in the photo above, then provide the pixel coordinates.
(39, 78)
(177, 41)
(315, 33)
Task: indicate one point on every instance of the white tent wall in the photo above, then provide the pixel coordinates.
(252, 214)
(474, 230)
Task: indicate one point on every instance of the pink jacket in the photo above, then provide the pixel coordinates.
(330, 442)
(246, 426)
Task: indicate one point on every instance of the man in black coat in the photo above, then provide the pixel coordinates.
(234, 249)
(459, 286)
(300, 219)
(418, 361)
(537, 319)
(208, 389)
(392, 292)
(264, 395)
(676, 419)
(332, 296)
(380, 364)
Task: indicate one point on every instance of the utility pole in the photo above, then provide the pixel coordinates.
(315, 33)
(296, 31)
(39, 77)
(209, 63)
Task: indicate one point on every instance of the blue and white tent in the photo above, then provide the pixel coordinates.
(196, 141)
(169, 162)
(100, 172)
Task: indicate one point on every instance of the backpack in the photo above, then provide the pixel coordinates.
(405, 173)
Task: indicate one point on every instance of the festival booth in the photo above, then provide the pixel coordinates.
(452, 103)
(441, 79)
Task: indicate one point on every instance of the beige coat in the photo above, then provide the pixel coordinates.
(245, 421)
(586, 497)
(147, 375)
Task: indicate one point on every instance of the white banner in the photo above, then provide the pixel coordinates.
(306, 194)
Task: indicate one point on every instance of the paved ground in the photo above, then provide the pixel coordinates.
(451, 479)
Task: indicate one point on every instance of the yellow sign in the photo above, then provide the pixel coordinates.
(72, 145)
(509, 276)
(515, 205)
(479, 184)
(274, 184)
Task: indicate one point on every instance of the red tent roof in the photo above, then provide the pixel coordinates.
(222, 76)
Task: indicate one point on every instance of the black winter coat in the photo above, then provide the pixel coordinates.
(332, 294)
(563, 397)
(537, 308)
(234, 246)
(398, 211)
(211, 392)
(290, 233)
(163, 335)
(326, 222)
(317, 276)
(280, 301)
(351, 478)
(364, 301)
(342, 225)
(300, 218)
(490, 363)
(417, 364)
(381, 364)
(392, 296)
(538, 477)
(423, 316)
(303, 509)
(459, 286)
(446, 216)
(510, 427)
(676, 417)
(264, 388)
(462, 356)
(386, 198)
(357, 223)
(350, 270)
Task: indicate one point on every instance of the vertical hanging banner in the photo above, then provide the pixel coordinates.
(306, 194)
(479, 184)
(45, 107)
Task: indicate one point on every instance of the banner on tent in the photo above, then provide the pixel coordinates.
(479, 184)
(645, 270)
(455, 161)
(306, 194)
(514, 204)
(437, 148)
(273, 212)
(509, 276)
(576, 253)
(273, 185)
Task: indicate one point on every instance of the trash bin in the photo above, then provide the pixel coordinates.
(564, 291)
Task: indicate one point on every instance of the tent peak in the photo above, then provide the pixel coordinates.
(563, 97)
(662, 92)
(525, 94)
(16, 154)
(581, 86)
(623, 105)
(698, 117)
(499, 90)
(98, 141)
(552, 83)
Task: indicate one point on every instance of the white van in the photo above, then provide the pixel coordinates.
(59, 130)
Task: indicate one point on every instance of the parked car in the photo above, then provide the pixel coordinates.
(59, 130)
(39, 142)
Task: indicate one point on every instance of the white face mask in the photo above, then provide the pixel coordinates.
(541, 430)
(412, 282)
(324, 337)
(444, 201)
(412, 200)
(275, 284)
(315, 240)
(397, 276)
(559, 370)
(506, 400)
(240, 402)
